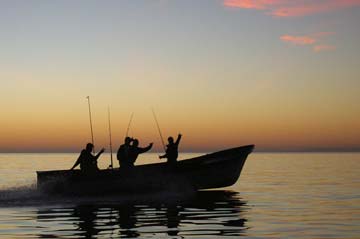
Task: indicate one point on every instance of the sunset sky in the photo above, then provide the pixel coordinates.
(281, 74)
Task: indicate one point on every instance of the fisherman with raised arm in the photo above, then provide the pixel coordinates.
(88, 161)
(172, 150)
(123, 153)
(135, 150)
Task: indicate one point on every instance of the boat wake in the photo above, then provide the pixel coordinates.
(20, 196)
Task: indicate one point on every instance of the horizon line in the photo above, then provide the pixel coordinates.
(194, 151)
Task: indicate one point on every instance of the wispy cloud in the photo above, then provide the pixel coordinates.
(320, 48)
(291, 8)
(315, 40)
(298, 40)
(297, 8)
(252, 4)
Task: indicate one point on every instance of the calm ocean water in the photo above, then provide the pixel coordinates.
(279, 195)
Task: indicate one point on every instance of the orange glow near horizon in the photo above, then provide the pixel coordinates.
(203, 131)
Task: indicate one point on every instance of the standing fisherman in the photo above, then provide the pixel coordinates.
(124, 149)
(135, 150)
(123, 153)
(172, 150)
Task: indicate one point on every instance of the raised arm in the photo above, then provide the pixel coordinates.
(178, 139)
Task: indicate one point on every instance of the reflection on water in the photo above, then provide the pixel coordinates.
(209, 214)
(299, 196)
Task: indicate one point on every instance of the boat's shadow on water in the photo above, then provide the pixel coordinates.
(206, 214)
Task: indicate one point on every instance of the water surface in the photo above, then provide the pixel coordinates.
(298, 195)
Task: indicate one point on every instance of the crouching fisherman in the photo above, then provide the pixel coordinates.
(88, 161)
(172, 150)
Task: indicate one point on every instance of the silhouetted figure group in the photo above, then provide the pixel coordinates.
(126, 154)
(129, 151)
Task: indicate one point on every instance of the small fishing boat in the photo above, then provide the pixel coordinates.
(215, 170)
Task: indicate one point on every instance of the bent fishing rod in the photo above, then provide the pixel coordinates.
(128, 128)
(158, 127)
(91, 125)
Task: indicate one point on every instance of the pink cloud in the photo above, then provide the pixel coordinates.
(315, 40)
(291, 8)
(252, 4)
(298, 40)
(313, 7)
(319, 48)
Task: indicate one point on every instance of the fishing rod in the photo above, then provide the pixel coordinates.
(158, 127)
(91, 126)
(110, 142)
(127, 131)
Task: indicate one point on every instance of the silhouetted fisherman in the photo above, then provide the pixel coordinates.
(87, 161)
(123, 153)
(135, 150)
(172, 150)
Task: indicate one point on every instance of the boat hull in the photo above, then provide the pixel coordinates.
(215, 170)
